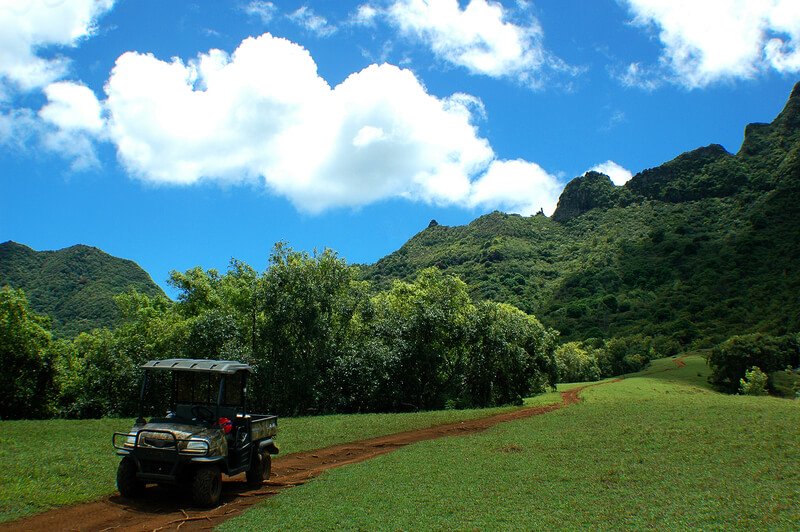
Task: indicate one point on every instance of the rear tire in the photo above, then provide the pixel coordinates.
(260, 468)
(128, 485)
(207, 486)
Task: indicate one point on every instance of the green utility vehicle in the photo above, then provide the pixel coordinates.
(206, 432)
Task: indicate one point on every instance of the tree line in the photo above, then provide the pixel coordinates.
(319, 340)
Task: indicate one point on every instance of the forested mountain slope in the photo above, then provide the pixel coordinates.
(702, 247)
(75, 286)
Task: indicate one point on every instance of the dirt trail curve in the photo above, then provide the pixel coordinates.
(160, 509)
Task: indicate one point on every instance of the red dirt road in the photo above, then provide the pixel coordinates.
(160, 509)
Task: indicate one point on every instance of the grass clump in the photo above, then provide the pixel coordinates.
(51, 463)
(656, 450)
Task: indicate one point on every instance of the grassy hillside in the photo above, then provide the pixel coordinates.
(75, 286)
(702, 247)
(657, 450)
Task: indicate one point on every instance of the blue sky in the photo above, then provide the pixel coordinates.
(181, 133)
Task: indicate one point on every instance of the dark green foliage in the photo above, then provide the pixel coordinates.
(624, 355)
(98, 377)
(577, 363)
(424, 325)
(318, 340)
(701, 173)
(785, 383)
(308, 310)
(754, 382)
(731, 359)
(24, 356)
(770, 151)
(591, 191)
(510, 355)
(74, 286)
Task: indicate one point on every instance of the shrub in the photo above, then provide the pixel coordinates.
(732, 358)
(576, 363)
(754, 382)
(625, 355)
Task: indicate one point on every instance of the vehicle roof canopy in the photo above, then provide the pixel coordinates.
(201, 365)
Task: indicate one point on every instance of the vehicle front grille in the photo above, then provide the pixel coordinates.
(158, 443)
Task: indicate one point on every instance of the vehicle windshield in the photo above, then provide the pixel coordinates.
(157, 400)
(173, 391)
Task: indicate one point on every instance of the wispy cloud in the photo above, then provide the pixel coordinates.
(634, 75)
(264, 11)
(314, 23)
(615, 118)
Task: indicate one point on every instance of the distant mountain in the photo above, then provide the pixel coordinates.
(702, 247)
(75, 286)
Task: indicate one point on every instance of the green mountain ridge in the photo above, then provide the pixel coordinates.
(697, 249)
(75, 286)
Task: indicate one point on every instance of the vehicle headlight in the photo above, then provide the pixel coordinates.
(196, 446)
(130, 440)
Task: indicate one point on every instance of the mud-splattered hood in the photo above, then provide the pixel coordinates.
(182, 431)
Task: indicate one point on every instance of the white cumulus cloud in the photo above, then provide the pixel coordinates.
(264, 111)
(26, 26)
(264, 114)
(479, 37)
(74, 117)
(618, 174)
(72, 106)
(711, 40)
(517, 186)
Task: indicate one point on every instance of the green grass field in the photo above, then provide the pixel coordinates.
(44, 464)
(658, 450)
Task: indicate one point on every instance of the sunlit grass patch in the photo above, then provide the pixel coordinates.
(55, 462)
(658, 450)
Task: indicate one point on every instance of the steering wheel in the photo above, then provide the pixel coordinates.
(203, 413)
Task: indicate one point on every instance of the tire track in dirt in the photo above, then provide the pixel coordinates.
(165, 509)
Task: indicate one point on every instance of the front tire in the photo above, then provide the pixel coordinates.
(128, 485)
(260, 468)
(207, 486)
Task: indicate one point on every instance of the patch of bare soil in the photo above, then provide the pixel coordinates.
(165, 509)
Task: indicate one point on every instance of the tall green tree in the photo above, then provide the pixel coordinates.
(24, 356)
(309, 305)
(98, 378)
(511, 356)
(424, 325)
